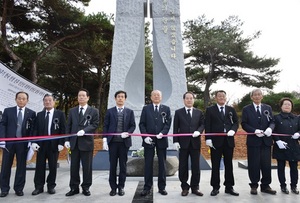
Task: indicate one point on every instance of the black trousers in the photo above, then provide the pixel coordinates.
(293, 173)
(85, 158)
(46, 153)
(216, 156)
(184, 155)
(259, 161)
(117, 154)
(20, 150)
(148, 173)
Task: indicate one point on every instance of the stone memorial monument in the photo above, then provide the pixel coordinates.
(128, 57)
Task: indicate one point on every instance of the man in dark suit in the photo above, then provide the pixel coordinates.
(50, 121)
(188, 120)
(257, 119)
(16, 122)
(118, 120)
(156, 120)
(223, 119)
(82, 120)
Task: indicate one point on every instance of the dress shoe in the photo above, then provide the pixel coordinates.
(121, 192)
(72, 192)
(197, 192)
(51, 191)
(295, 190)
(253, 191)
(163, 192)
(285, 190)
(86, 192)
(184, 192)
(3, 194)
(145, 192)
(231, 191)
(268, 190)
(37, 191)
(113, 192)
(214, 192)
(19, 193)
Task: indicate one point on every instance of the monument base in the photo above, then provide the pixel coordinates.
(135, 166)
(101, 160)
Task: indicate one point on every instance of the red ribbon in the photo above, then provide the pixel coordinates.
(52, 137)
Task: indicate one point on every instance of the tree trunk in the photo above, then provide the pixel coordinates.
(33, 72)
(209, 78)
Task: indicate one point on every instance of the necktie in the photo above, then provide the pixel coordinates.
(46, 124)
(189, 116)
(156, 110)
(81, 113)
(222, 112)
(19, 125)
(258, 112)
(119, 110)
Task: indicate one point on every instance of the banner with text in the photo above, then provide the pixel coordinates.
(11, 83)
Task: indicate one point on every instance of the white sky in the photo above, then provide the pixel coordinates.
(278, 21)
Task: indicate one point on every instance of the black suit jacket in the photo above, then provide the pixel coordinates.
(151, 125)
(215, 124)
(181, 125)
(111, 122)
(89, 124)
(10, 119)
(58, 127)
(250, 123)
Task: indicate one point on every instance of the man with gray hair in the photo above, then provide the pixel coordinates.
(257, 120)
(156, 120)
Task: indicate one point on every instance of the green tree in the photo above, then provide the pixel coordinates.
(81, 62)
(222, 52)
(39, 26)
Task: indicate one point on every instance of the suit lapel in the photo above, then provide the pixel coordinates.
(26, 115)
(43, 116)
(55, 115)
(86, 113)
(152, 106)
(15, 115)
(125, 116)
(115, 114)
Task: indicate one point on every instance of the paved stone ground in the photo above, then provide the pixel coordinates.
(100, 190)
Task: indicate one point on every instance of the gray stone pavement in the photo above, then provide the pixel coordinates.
(100, 189)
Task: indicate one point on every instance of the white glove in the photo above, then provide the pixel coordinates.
(230, 133)
(196, 134)
(209, 143)
(176, 145)
(2, 144)
(268, 132)
(159, 136)
(296, 136)
(148, 140)
(80, 133)
(124, 135)
(259, 133)
(281, 144)
(67, 144)
(60, 147)
(35, 146)
(105, 145)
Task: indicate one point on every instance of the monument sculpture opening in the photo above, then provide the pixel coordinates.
(128, 57)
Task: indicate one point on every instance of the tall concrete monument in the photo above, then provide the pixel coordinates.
(128, 57)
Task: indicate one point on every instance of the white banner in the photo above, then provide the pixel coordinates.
(11, 83)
